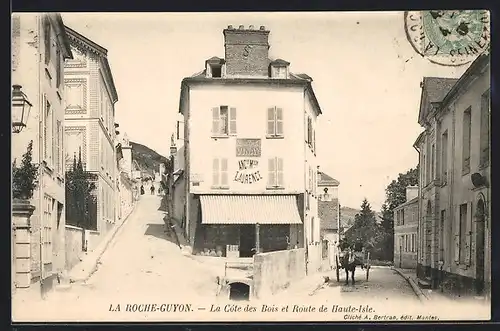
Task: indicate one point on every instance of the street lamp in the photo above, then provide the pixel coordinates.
(20, 109)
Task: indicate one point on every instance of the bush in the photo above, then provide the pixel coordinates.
(25, 177)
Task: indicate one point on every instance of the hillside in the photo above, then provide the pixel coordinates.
(148, 160)
(348, 214)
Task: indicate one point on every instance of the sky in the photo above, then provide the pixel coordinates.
(366, 78)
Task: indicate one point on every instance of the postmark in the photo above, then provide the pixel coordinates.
(448, 37)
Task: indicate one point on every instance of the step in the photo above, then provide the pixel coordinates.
(424, 283)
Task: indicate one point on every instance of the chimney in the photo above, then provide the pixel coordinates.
(247, 51)
(411, 192)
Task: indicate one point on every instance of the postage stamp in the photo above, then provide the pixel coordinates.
(448, 37)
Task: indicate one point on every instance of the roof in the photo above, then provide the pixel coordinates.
(100, 51)
(434, 89)
(474, 69)
(328, 214)
(409, 202)
(249, 209)
(61, 34)
(294, 80)
(280, 62)
(326, 180)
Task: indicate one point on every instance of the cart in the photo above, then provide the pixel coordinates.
(363, 257)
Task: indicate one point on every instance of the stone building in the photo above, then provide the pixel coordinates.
(406, 230)
(455, 192)
(250, 152)
(90, 122)
(39, 47)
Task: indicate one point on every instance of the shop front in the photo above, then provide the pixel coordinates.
(242, 225)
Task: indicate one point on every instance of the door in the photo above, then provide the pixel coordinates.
(480, 231)
(247, 240)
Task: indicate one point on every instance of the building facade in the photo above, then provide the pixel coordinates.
(127, 187)
(455, 192)
(406, 230)
(249, 151)
(329, 216)
(39, 47)
(90, 122)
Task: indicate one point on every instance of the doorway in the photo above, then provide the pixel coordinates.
(247, 240)
(480, 231)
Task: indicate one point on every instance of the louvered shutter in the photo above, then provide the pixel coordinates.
(279, 121)
(271, 172)
(270, 121)
(232, 120)
(223, 172)
(280, 179)
(215, 120)
(457, 247)
(215, 172)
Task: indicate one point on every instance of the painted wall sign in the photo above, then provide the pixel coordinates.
(248, 147)
(247, 172)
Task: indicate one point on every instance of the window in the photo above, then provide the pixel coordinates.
(433, 160)
(464, 235)
(424, 172)
(275, 122)
(216, 71)
(48, 203)
(48, 132)
(309, 131)
(314, 141)
(444, 157)
(402, 217)
(219, 173)
(46, 36)
(466, 141)
(279, 72)
(275, 172)
(57, 148)
(223, 121)
(485, 129)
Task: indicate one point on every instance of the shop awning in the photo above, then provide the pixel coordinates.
(249, 209)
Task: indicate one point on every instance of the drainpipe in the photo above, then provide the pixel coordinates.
(419, 208)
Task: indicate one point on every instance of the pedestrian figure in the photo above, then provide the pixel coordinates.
(152, 189)
(142, 190)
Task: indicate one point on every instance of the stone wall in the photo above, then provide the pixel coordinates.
(73, 244)
(275, 271)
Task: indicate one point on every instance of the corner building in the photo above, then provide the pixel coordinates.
(250, 152)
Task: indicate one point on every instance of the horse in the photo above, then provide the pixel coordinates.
(348, 262)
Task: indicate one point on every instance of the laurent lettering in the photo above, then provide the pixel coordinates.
(247, 172)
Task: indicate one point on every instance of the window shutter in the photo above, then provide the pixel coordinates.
(280, 181)
(223, 171)
(468, 248)
(232, 120)
(457, 248)
(215, 120)
(271, 172)
(314, 141)
(57, 147)
(215, 173)
(178, 130)
(270, 121)
(279, 121)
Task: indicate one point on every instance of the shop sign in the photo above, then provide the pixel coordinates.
(248, 172)
(248, 147)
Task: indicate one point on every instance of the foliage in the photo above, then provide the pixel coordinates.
(25, 177)
(81, 203)
(365, 230)
(147, 159)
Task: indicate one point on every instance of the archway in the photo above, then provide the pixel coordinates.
(239, 291)
(480, 243)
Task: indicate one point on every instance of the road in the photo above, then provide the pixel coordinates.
(141, 265)
(384, 286)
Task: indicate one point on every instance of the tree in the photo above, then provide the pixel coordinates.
(80, 199)
(365, 231)
(25, 177)
(395, 196)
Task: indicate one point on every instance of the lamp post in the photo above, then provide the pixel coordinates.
(20, 109)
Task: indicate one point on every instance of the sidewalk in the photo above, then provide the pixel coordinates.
(83, 270)
(305, 287)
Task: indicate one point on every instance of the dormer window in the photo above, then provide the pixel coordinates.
(215, 67)
(279, 69)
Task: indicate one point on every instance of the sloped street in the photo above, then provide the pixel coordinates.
(143, 264)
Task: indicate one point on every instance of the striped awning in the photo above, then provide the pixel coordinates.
(249, 209)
